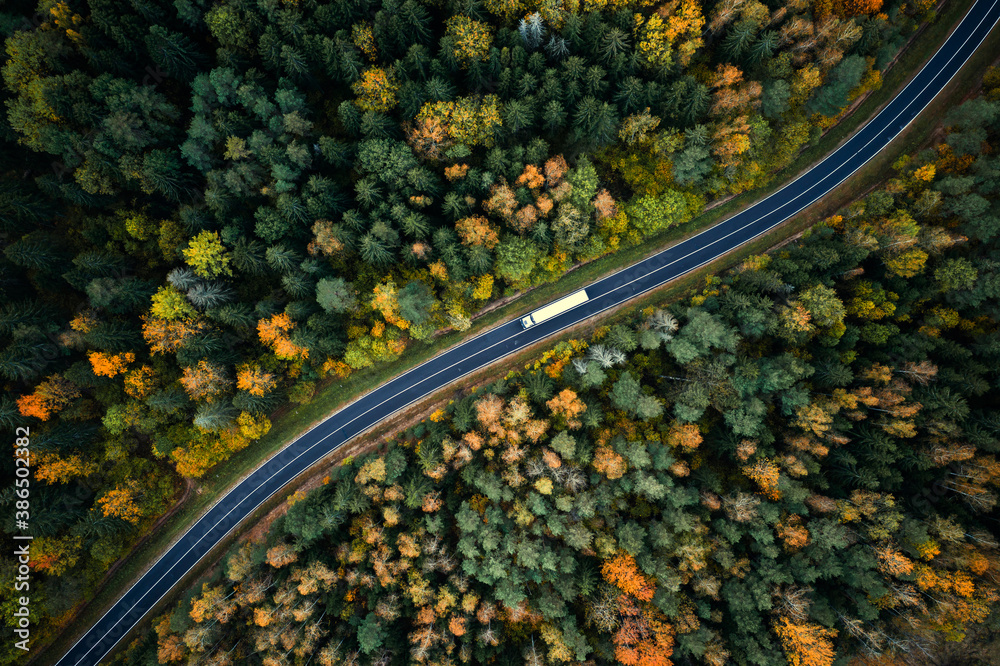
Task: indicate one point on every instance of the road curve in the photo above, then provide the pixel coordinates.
(488, 347)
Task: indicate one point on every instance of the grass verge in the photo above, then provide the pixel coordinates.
(295, 420)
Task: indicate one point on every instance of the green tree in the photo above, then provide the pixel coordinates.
(416, 302)
(831, 97)
(174, 52)
(516, 258)
(371, 634)
(702, 332)
(823, 304)
(774, 101)
(649, 214)
(625, 393)
(956, 274)
(335, 295)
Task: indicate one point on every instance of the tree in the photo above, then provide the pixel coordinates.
(23, 313)
(171, 304)
(204, 381)
(121, 503)
(650, 214)
(49, 397)
(274, 331)
(972, 114)
(165, 336)
(568, 406)
(477, 231)
(371, 634)
(532, 30)
(806, 644)
(429, 137)
(832, 96)
(648, 408)
(215, 417)
(211, 295)
(516, 258)
(416, 301)
(53, 468)
(625, 393)
(174, 52)
(859, 7)
(162, 172)
(252, 379)
(335, 295)
(825, 307)
(110, 365)
(472, 121)
(956, 274)
(907, 264)
(622, 572)
(594, 122)
(775, 98)
(207, 256)
(655, 36)
(766, 474)
(702, 332)
(376, 89)
(471, 40)
(685, 436)
(570, 228)
(55, 556)
(282, 555)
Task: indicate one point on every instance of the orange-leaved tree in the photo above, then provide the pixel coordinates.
(121, 503)
(477, 230)
(255, 381)
(110, 365)
(622, 572)
(376, 89)
(644, 637)
(567, 405)
(274, 332)
(204, 381)
(687, 436)
(50, 396)
(806, 644)
(52, 468)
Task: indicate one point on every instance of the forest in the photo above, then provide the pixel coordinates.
(794, 464)
(210, 209)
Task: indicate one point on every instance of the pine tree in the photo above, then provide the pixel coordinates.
(162, 172)
(214, 416)
(282, 258)
(23, 313)
(249, 257)
(375, 252)
(174, 52)
(35, 252)
(557, 47)
(209, 295)
(532, 29)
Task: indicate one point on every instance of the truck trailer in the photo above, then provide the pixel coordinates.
(555, 308)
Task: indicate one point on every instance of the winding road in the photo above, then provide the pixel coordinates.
(492, 345)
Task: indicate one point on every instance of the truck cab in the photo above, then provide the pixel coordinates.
(527, 322)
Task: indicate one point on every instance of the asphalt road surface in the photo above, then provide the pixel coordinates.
(507, 338)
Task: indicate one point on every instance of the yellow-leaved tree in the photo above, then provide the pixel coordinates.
(207, 256)
(376, 89)
(470, 39)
